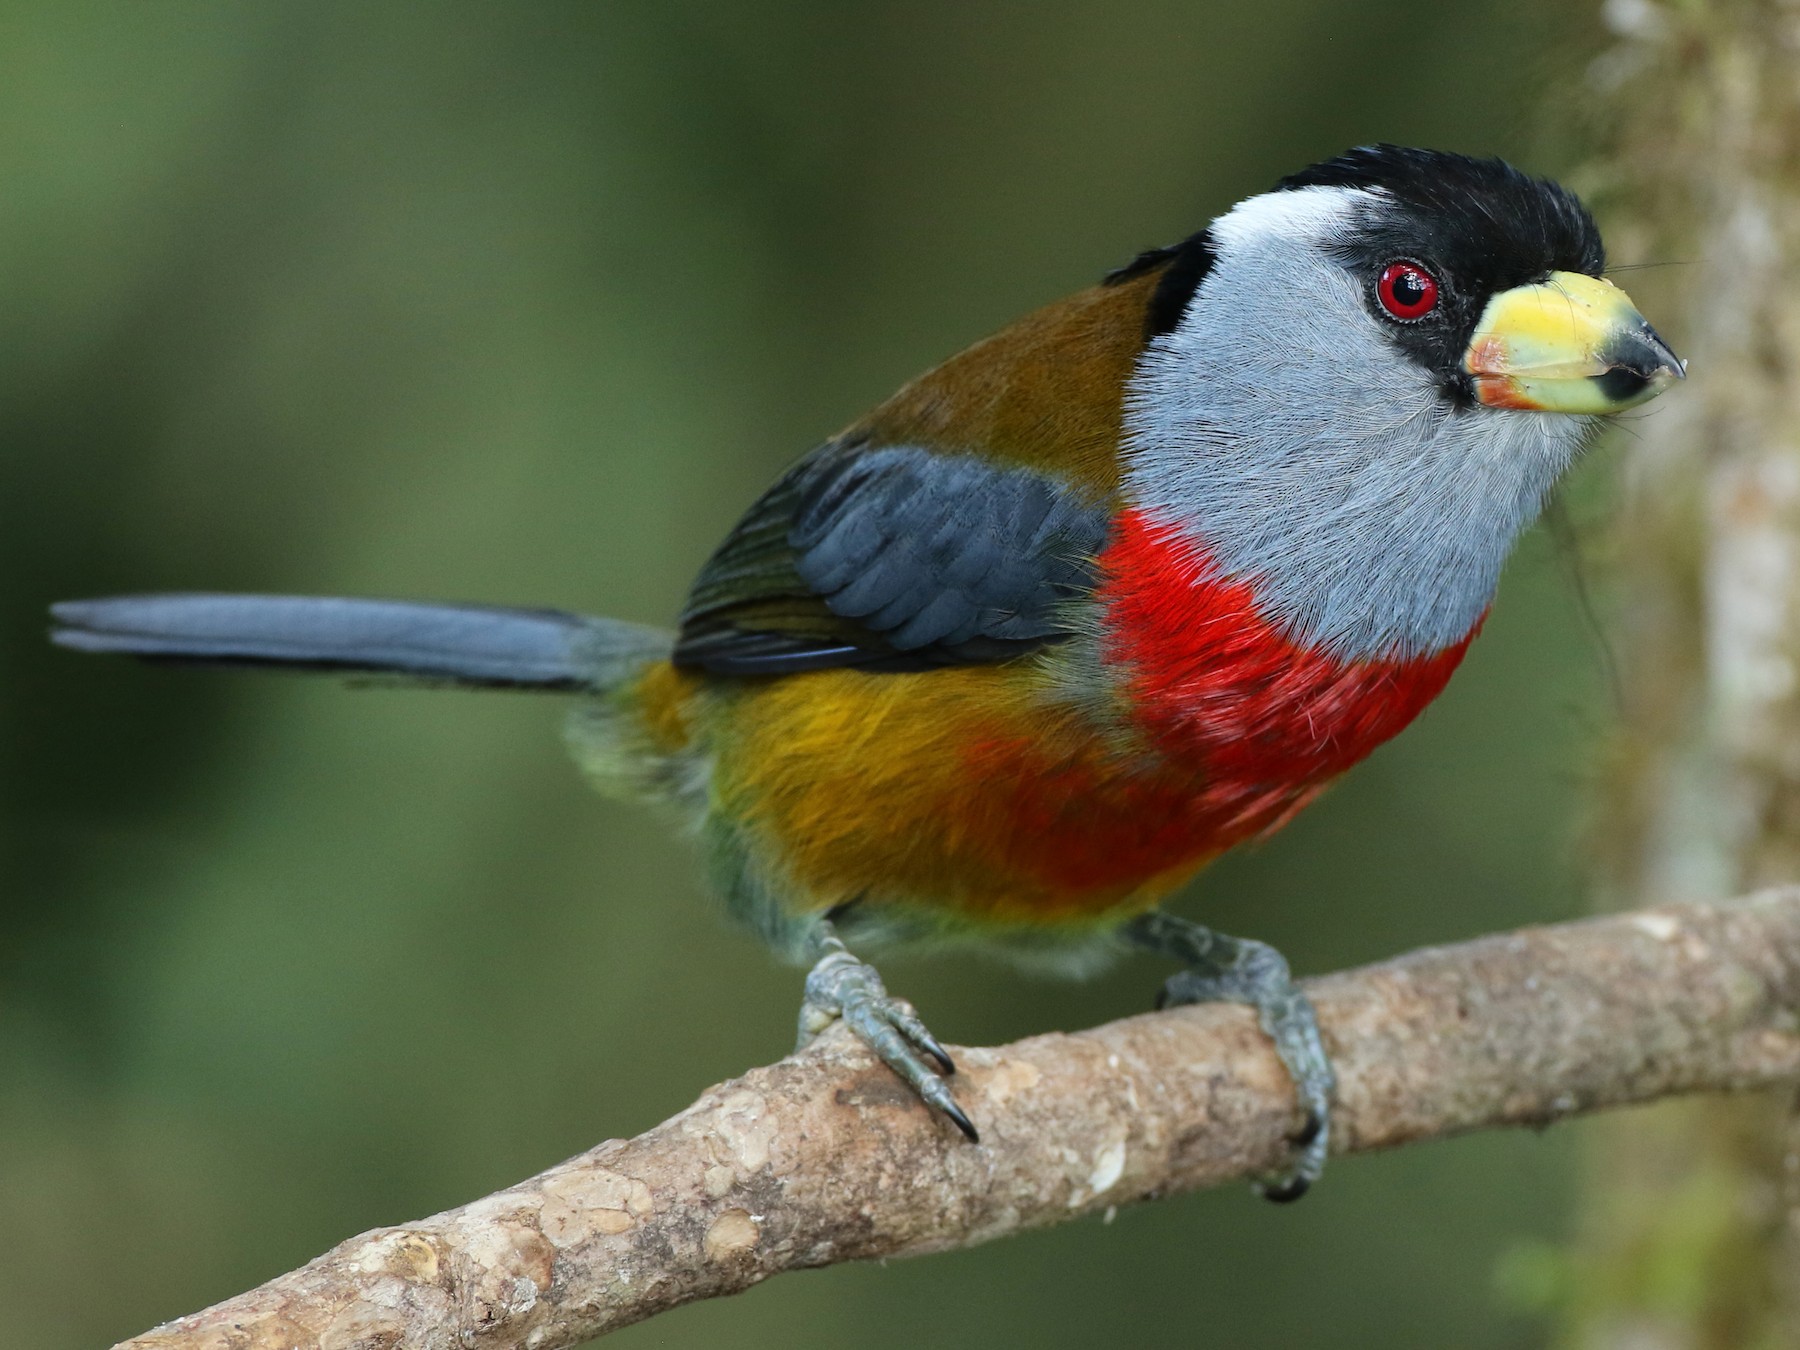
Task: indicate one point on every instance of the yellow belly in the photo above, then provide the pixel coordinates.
(972, 790)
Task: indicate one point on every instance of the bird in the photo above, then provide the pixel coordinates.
(1128, 584)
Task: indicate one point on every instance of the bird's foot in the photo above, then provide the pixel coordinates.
(840, 986)
(1239, 970)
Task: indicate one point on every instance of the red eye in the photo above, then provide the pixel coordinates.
(1407, 290)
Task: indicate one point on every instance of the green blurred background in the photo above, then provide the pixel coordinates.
(524, 302)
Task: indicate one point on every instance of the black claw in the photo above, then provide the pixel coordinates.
(961, 1121)
(1309, 1131)
(930, 1046)
(1286, 1192)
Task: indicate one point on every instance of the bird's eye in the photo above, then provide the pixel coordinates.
(1407, 291)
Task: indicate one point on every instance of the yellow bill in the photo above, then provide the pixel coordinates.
(1569, 344)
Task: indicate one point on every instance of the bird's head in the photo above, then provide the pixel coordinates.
(1360, 386)
(1484, 277)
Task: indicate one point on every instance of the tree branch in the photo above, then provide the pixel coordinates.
(825, 1157)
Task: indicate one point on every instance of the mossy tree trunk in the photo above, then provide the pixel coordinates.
(1690, 1227)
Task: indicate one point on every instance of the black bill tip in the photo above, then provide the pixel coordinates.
(1636, 361)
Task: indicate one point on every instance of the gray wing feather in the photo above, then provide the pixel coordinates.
(893, 559)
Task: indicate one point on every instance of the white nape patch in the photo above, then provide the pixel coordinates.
(1308, 216)
(1278, 427)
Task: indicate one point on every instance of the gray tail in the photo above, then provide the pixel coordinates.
(453, 644)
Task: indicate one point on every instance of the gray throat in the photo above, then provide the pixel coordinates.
(1279, 430)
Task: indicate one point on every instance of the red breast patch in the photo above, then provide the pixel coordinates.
(1215, 686)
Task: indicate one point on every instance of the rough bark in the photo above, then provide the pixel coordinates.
(824, 1157)
(1690, 1222)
